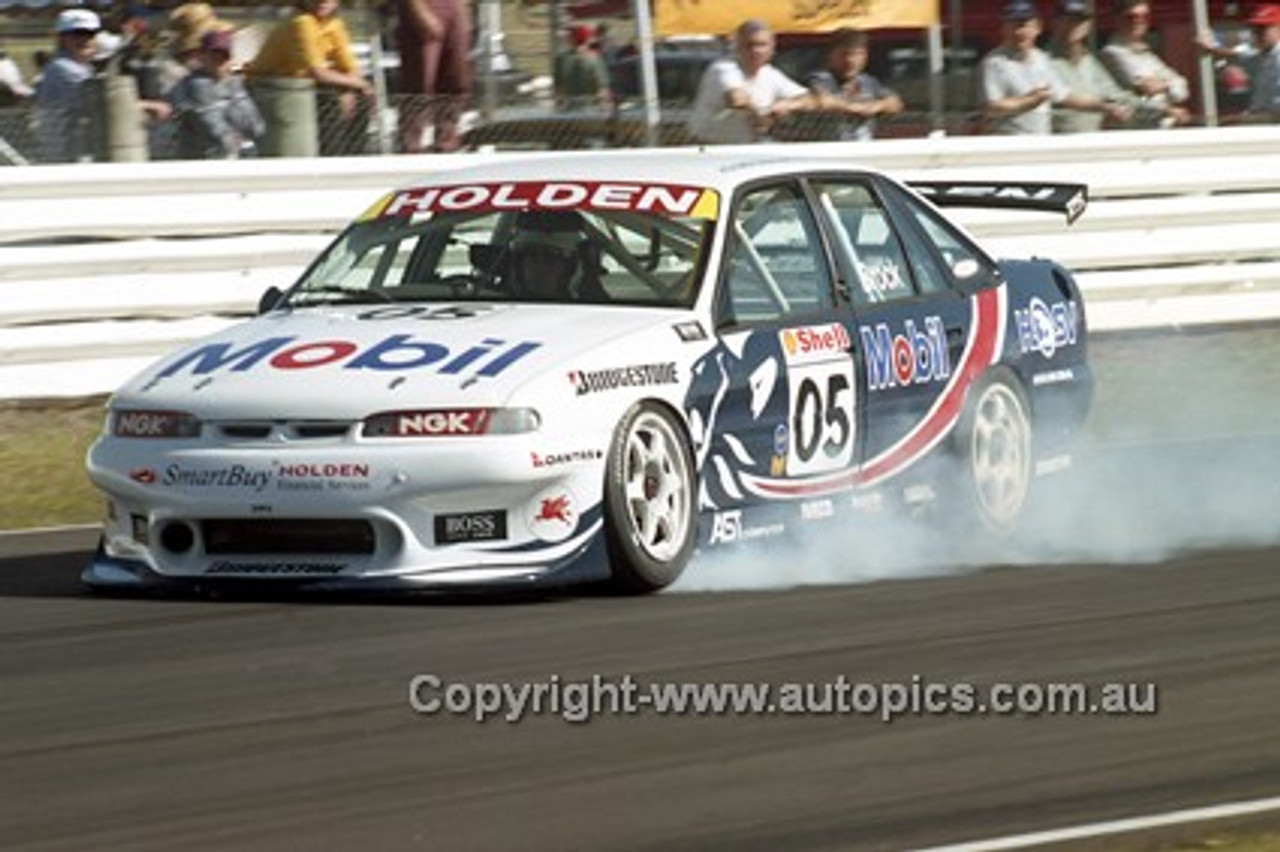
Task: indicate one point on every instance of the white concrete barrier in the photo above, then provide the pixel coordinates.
(105, 265)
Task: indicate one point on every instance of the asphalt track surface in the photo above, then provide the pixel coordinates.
(286, 724)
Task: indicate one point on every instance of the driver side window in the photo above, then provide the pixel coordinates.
(775, 266)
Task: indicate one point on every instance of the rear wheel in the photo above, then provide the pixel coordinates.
(649, 500)
(995, 452)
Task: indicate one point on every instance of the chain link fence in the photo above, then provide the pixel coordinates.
(302, 122)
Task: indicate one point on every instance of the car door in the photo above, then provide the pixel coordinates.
(775, 399)
(922, 295)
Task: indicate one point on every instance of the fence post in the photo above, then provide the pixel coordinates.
(119, 126)
(288, 106)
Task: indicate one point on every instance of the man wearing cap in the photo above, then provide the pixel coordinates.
(1019, 84)
(61, 110)
(1084, 74)
(580, 76)
(1264, 104)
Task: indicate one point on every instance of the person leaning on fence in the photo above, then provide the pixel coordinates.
(13, 88)
(62, 112)
(137, 54)
(849, 99)
(740, 97)
(581, 79)
(314, 43)
(1019, 85)
(1264, 103)
(434, 39)
(1137, 66)
(1084, 74)
(215, 116)
(187, 25)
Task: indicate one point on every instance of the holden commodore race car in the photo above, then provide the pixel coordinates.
(546, 371)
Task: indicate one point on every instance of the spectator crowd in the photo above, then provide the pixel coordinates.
(199, 92)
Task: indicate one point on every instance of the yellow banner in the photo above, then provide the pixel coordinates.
(720, 17)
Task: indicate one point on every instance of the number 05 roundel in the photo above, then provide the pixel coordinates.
(821, 390)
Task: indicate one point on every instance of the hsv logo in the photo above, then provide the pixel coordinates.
(397, 352)
(1045, 328)
(912, 357)
(661, 199)
(814, 342)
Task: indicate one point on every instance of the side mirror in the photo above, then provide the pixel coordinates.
(270, 299)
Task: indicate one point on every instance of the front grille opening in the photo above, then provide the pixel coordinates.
(246, 431)
(303, 430)
(320, 430)
(245, 536)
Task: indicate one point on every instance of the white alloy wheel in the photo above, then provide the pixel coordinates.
(650, 500)
(998, 449)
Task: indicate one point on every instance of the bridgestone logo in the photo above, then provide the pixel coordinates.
(624, 377)
(275, 568)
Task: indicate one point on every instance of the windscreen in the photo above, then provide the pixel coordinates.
(560, 242)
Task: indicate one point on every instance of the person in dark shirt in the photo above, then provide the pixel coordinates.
(850, 99)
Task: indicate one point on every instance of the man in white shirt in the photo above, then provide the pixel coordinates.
(1135, 65)
(13, 88)
(1019, 85)
(741, 96)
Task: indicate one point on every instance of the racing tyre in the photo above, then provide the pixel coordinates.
(649, 501)
(994, 443)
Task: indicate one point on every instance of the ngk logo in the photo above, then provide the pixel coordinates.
(144, 424)
(442, 423)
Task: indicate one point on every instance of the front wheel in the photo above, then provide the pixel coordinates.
(994, 442)
(649, 500)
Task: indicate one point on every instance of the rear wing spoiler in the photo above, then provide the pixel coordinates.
(1069, 199)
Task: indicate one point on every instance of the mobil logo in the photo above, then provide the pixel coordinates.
(913, 356)
(489, 357)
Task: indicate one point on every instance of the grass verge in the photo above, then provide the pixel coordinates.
(42, 449)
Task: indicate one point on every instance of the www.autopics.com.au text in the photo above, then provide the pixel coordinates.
(581, 700)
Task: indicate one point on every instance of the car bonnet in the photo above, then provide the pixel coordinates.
(337, 362)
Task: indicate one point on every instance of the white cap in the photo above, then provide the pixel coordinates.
(72, 20)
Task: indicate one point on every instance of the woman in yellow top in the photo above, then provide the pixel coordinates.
(315, 43)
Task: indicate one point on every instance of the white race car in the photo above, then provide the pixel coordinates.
(545, 371)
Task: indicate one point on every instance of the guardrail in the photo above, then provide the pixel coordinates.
(105, 266)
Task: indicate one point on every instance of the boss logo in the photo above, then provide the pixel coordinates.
(471, 526)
